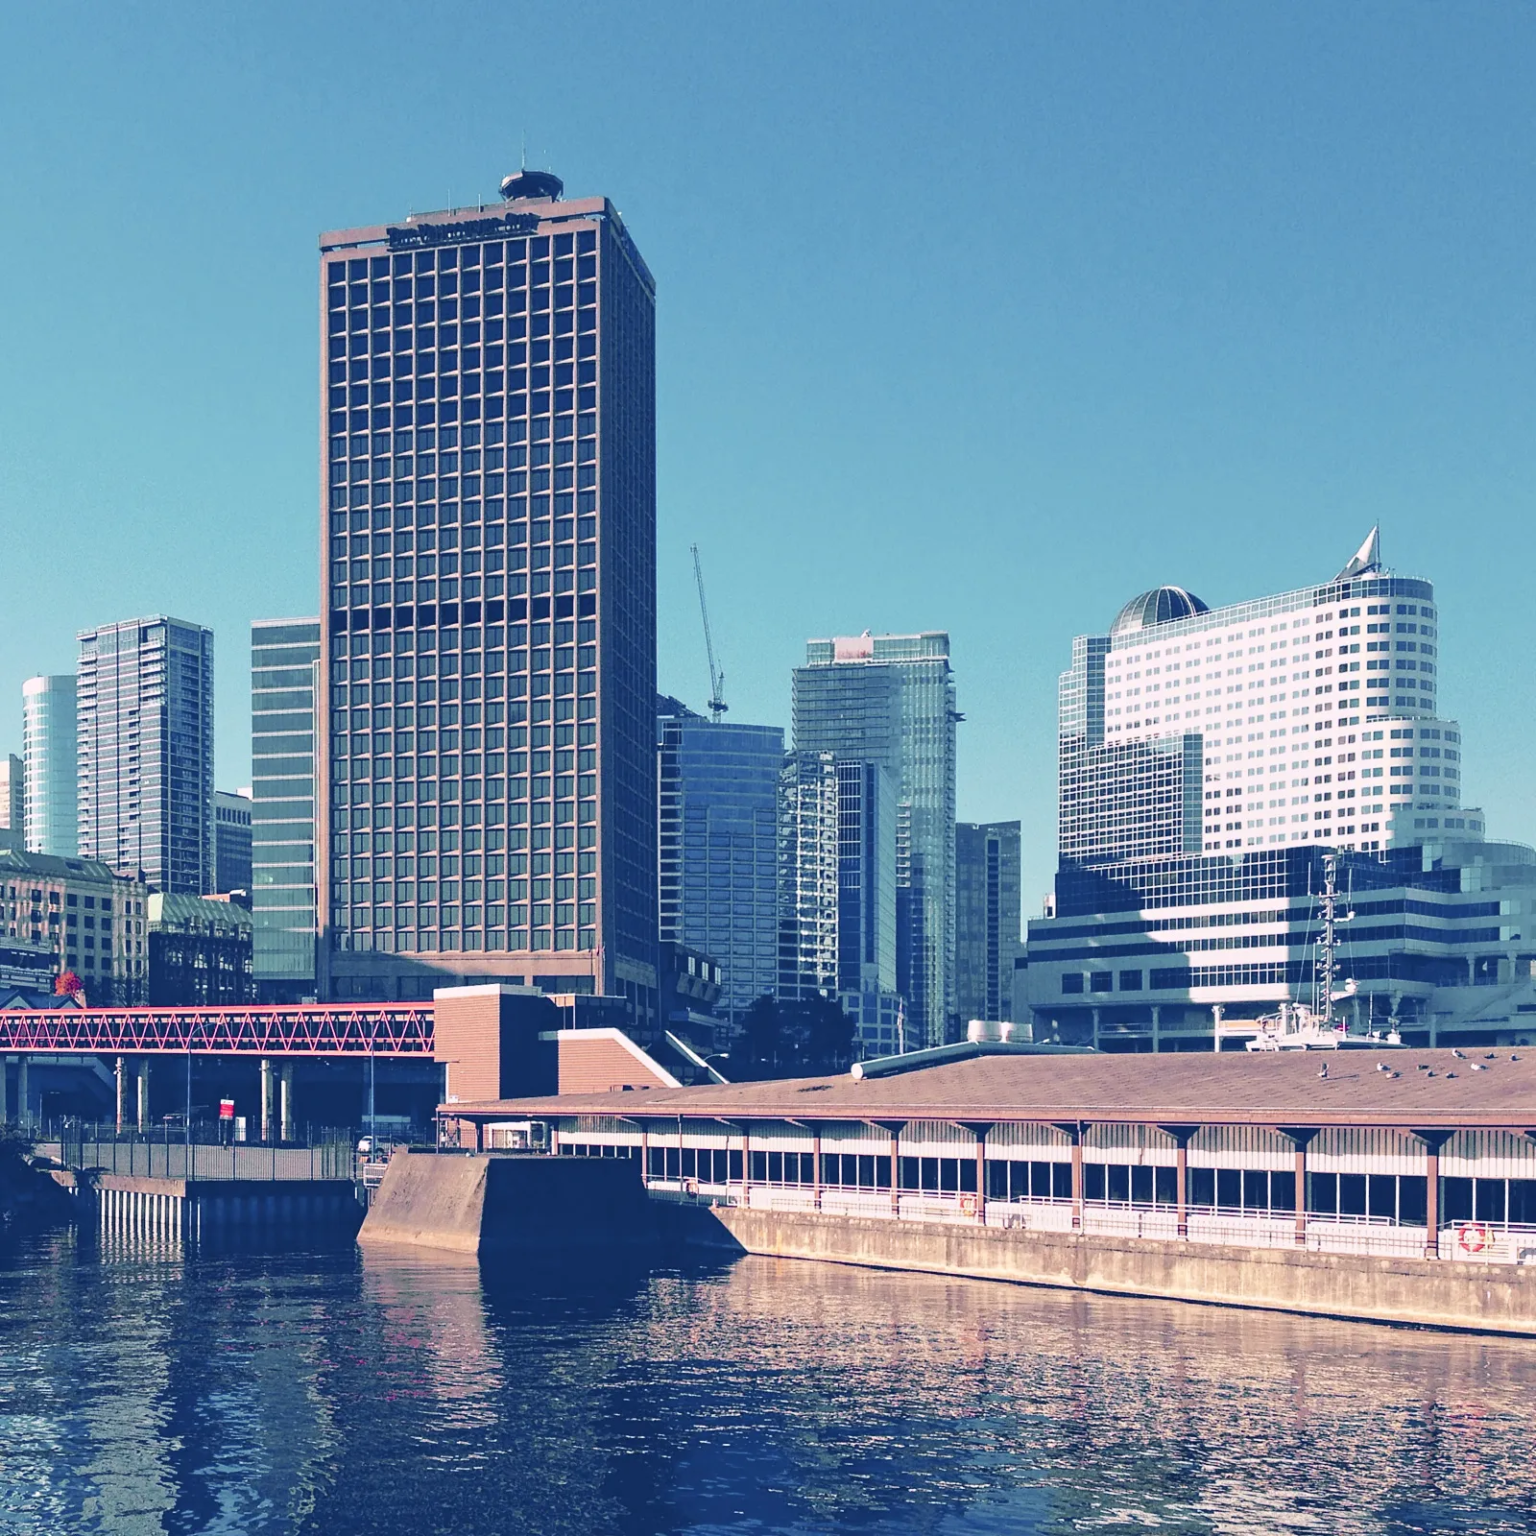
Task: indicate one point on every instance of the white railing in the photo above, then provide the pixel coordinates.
(1484, 1242)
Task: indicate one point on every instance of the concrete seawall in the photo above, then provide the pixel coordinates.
(1424, 1292)
(486, 1203)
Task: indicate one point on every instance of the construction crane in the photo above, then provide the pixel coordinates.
(717, 704)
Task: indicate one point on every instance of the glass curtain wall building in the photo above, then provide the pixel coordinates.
(285, 661)
(49, 734)
(231, 842)
(489, 559)
(1208, 757)
(145, 751)
(890, 700)
(718, 784)
(988, 918)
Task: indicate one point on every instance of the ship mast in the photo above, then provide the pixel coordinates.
(1322, 1000)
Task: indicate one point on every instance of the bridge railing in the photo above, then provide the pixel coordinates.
(315, 1029)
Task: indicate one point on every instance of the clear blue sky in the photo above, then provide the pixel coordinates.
(971, 317)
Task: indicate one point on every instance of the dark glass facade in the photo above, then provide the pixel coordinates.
(145, 759)
(285, 658)
(718, 830)
(488, 691)
(988, 938)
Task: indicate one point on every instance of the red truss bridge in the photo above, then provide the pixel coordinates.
(303, 1029)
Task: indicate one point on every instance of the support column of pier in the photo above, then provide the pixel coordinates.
(142, 1092)
(1301, 1137)
(266, 1100)
(120, 1084)
(816, 1169)
(1182, 1136)
(1074, 1132)
(980, 1130)
(1433, 1142)
(285, 1102)
(895, 1128)
(746, 1166)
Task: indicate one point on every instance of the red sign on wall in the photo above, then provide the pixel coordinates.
(226, 1109)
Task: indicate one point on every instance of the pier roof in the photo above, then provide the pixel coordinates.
(1408, 1089)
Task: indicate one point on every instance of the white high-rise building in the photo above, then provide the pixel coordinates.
(49, 745)
(1307, 717)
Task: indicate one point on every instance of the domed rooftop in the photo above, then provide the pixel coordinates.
(524, 185)
(1162, 605)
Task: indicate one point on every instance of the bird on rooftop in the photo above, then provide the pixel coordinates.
(1381, 1066)
(1324, 1072)
(1477, 1066)
(1457, 1054)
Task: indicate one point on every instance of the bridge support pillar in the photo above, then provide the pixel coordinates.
(5, 1098)
(143, 1093)
(120, 1084)
(23, 1104)
(266, 1098)
(285, 1101)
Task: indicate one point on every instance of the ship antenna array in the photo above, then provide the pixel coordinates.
(717, 704)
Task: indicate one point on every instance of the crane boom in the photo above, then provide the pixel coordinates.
(717, 704)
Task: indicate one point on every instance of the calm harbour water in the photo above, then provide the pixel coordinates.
(331, 1393)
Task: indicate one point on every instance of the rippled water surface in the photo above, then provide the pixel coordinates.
(328, 1393)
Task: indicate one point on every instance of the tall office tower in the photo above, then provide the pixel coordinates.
(49, 736)
(890, 699)
(1208, 758)
(489, 558)
(285, 661)
(717, 840)
(987, 918)
(13, 798)
(231, 841)
(146, 751)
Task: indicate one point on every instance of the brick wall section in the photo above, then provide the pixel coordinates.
(466, 1034)
(602, 1064)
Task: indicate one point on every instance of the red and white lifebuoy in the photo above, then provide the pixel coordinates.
(1472, 1237)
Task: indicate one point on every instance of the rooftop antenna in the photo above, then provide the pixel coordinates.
(717, 704)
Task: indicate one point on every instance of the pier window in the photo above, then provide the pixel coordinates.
(1014, 1179)
(1122, 1184)
(1498, 1200)
(938, 1175)
(848, 1170)
(783, 1168)
(1398, 1198)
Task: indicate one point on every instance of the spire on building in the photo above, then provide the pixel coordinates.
(1366, 558)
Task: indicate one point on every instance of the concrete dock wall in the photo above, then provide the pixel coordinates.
(489, 1203)
(125, 1205)
(1426, 1292)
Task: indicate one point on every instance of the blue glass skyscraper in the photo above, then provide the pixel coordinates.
(719, 786)
(890, 700)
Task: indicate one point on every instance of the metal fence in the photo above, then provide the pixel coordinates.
(144, 1158)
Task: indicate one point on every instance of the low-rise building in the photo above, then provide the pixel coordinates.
(199, 952)
(91, 920)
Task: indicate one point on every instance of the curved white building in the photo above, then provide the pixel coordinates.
(49, 747)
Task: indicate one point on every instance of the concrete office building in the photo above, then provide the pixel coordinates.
(1208, 758)
(145, 765)
(49, 733)
(890, 700)
(988, 918)
(489, 632)
(285, 658)
(231, 841)
(717, 829)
